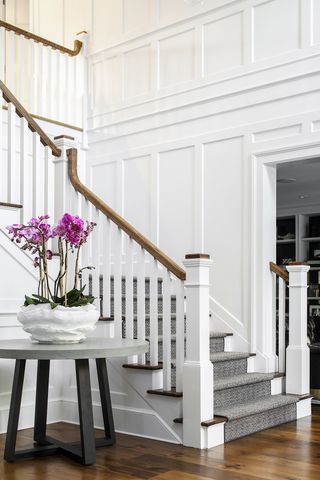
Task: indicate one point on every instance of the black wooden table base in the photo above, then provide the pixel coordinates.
(83, 451)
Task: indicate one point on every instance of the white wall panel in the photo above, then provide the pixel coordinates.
(77, 18)
(223, 220)
(276, 25)
(223, 43)
(103, 182)
(106, 23)
(315, 22)
(50, 24)
(107, 83)
(137, 71)
(176, 59)
(176, 201)
(274, 133)
(138, 206)
(138, 14)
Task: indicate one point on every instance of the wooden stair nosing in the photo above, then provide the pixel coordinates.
(167, 393)
(208, 423)
(141, 366)
(10, 205)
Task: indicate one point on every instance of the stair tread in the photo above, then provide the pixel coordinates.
(212, 335)
(227, 356)
(240, 380)
(256, 406)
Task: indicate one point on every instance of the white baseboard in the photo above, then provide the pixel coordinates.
(304, 408)
(129, 420)
(26, 419)
(278, 385)
(214, 435)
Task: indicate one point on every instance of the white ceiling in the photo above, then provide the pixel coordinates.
(307, 184)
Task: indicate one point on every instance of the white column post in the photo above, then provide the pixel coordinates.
(83, 37)
(197, 369)
(298, 354)
(62, 185)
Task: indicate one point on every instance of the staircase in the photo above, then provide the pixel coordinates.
(244, 401)
(142, 293)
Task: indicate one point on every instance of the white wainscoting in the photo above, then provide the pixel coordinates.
(176, 115)
(211, 45)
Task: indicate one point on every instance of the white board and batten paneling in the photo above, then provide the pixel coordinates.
(189, 96)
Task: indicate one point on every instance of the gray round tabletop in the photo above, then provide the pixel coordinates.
(92, 347)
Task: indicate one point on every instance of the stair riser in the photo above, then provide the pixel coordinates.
(147, 327)
(229, 368)
(216, 345)
(241, 394)
(261, 421)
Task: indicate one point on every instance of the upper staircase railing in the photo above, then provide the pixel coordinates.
(27, 159)
(49, 79)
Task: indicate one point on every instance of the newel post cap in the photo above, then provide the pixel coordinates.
(64, 142)
(197, 259)
(297, 267)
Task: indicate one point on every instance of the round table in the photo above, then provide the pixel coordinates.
(92, 348)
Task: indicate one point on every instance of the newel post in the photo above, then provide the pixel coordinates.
(62, 185)
(197, 369)
(298, 354)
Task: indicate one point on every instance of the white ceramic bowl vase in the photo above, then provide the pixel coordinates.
(59, 325)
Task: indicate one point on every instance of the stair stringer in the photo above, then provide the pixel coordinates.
(223, 320)
(135, 411)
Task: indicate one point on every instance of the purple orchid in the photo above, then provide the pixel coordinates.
(70, 231)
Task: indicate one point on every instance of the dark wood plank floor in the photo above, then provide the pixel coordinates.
(288, 452)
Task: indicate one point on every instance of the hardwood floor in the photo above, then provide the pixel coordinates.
(288, 452)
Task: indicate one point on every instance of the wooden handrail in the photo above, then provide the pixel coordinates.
(279, 271)
(47, 43)
(32, 124)
(118, 220)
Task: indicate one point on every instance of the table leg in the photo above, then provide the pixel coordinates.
(9, 451)
(88, 445)
(105, 399)
(41, 409)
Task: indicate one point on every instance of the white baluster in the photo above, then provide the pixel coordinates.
(129, 293)
(282, 326)
(26, 185)
(38, 175)
(2, 53)
(117, 289)
(106, 268)
(129, 287)
(96, 258)
(166, 330)
(59, 85)
(198, 369)
(154, 334)
(141, 299)
(1, 133)
(83, 37)
(41, 107)
(11, 63)
(50, 83)
(49, 182)
(22, 70)
(13, 163)
(298, 353)
(180, 334)
(32, 77)
(85, 249)
(67, 89)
